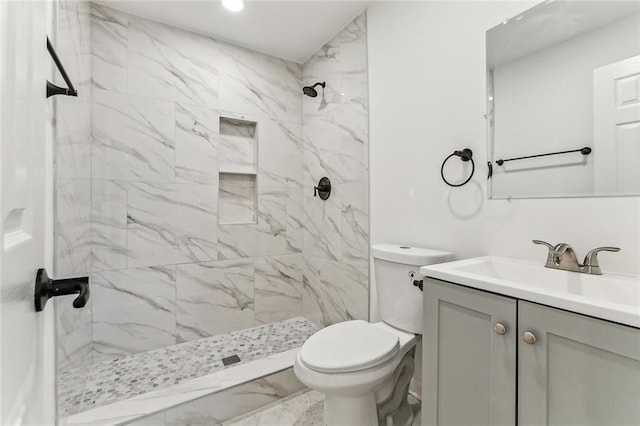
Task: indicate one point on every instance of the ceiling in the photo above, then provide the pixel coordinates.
(292, 30)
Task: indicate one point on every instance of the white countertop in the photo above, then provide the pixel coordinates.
(611, 297)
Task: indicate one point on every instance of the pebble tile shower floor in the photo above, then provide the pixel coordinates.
(122, 378)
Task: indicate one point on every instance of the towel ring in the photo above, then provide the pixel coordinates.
(465, 155)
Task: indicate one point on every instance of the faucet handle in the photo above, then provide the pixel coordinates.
(591, 259)
(543, 243)
(549, 254)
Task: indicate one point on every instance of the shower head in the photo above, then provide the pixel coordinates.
(311, 91)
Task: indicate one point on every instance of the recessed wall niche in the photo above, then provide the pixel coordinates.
(237, 197)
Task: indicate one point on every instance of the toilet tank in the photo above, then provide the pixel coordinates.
(395, 269)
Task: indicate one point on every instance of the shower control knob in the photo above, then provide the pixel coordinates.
(529, 337)
(499, 328)
(323, 190)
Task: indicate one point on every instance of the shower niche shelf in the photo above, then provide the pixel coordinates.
(238, 153)
(237, 199)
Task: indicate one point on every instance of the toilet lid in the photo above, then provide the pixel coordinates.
(348, 346)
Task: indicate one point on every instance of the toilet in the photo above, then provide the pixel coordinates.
(364, 369)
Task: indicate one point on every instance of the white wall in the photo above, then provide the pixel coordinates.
(427, 98)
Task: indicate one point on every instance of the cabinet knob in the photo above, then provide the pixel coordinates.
(529, 337)
(499, 328)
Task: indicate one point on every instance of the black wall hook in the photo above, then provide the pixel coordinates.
(46, 288)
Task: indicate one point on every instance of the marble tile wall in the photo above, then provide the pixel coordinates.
(138, 161)
(72, 182)
(165, 267)
(335, 233)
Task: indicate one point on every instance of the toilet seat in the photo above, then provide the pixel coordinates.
(349, 346)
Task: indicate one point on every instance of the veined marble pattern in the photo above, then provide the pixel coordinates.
(265, 238)
(252, 83)
(72, 227)
(73, 139)
(272, 221)
(238, 144)
(334, 291)
(108, 224)
(322, 154)
(237, 199)
(293, 92)
(133, 138)
(134, 310)
(171, 223)
(109, 46)
(172, 64)
(335, 133)
(74, 333)
(214, 298)
(304, 408)
(73, 45)
(322, 225)
(280, 163)
(337, 143)
(278, 288)
(236, 401)
(354, 225)
(123, 378)
(295, 215)
(197, 138)
(72, 208)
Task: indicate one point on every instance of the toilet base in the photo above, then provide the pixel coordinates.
(352, 411)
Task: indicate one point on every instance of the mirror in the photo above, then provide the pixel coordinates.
(564, 92)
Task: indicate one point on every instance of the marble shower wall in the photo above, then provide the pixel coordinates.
(164, 270)
(72, 182)
(335, 237)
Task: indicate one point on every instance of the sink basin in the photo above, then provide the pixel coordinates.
(610, 296)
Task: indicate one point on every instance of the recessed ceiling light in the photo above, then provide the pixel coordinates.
(233, 5)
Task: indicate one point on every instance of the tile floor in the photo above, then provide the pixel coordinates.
(300, 409)
(119, 379)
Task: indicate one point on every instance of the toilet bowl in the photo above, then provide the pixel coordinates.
(353, 363)
(365, 369)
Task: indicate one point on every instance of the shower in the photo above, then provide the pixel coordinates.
(311, 91)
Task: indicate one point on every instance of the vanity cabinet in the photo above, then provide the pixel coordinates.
(580, 370)
(469, 369)
(568, 368)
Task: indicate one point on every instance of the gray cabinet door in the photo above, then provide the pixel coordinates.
(469, 370)
(580, 370)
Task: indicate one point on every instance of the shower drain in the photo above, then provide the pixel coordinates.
(233, 359)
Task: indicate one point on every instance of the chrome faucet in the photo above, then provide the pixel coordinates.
(562, 256)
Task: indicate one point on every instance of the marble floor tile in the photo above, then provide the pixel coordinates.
(304, 408)
(125, 377)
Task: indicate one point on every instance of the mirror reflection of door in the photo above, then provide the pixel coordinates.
(552, 72)
(616, 127)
